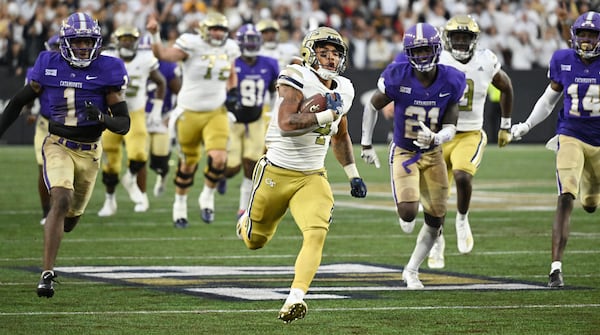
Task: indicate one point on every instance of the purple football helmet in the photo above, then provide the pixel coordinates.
(417, 38)
(249, 39)
(53, 43)
(76, 28)
(586, 46)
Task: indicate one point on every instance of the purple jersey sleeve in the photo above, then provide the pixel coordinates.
(169, 71)
(580, 116)
(414, 103)
(65, 89)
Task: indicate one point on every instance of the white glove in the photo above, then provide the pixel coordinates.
(155, 117)
(370, 157)
(424, 136)
(519, 130)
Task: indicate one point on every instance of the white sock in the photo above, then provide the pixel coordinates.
(181, 198)
(296, 295)
(245, 190)
(425, 240)
(110, 196)
(556, 265)
(462, 217)
(207, 191)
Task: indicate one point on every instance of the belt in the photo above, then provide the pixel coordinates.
(76, 145)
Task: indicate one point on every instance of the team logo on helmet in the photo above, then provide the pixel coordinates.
(460, 36)
(214, 21)
(419, 37)
(77, 27)
(586, 47)
(318, 37)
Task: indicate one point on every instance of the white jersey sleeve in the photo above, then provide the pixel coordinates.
(305, 152)
(479, 72)
(205, 72)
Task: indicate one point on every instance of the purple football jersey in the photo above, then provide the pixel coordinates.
(580, 116)
(169, 70)
(253, 82)
(67, 88)
(414, 103)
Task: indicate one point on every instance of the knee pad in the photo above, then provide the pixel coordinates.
(110, 179)
(187, 177)
(211, 173)
(160, 164)
(135, 166)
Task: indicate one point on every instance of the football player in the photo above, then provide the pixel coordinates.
(464, 152)
(83, 99)
(200, 118)
(425, 96)
(575, 74)
(141, 66)
(257, 75)
(292, 173)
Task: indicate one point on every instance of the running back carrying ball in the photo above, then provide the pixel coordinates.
(314, 104)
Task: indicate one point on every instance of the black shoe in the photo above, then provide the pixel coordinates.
(45, 286)
(181, 223)
(556, 279)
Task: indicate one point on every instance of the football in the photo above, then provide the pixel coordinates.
(314, 104)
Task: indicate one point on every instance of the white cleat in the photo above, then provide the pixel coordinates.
(464, 237)
(293, 311)
(436, 255)
(411, 278)
(407, 226)
(159, 186)
(43, 221)
(109, 208)
(142, 206)
(130, 184)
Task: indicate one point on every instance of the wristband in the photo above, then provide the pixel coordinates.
(324, 117)
(351, 171)
(157, 104)
(505, 122)
(155, 38)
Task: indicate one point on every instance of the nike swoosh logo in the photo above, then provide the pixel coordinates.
(444, 95)
(88, 77)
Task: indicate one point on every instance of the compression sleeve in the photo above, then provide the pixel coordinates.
(119, 122)
(368, 124)
(543, 107)
(15, 105)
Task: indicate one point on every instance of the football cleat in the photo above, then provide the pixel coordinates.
(407, 226)
(464, 237)
(45, 286)
(159, 186)
(181, 223)
(180, 215)
(411, 279)
(207, 208)
(294, 311)
(222, 186)
(130, 184)
(142, 206)
(555, 279)
(239, 227)
(436, 255)
(109, 208)
(43, 221)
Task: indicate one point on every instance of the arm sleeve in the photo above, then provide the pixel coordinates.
(14, 107)
(543, 107)
(119, 122)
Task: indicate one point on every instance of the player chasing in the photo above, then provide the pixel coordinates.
(575, 74)
(425, 96)
(463, 154)
(83, 100)
(291, 175)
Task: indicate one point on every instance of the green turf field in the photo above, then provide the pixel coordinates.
(135, 274)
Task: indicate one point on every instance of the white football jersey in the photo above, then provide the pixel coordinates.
(284, 52)
(479, 71)
(305, 152)
(205, 72)
(138, 71)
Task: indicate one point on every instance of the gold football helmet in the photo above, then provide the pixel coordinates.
(323, 35)
(461, 33)
(126, 40)
(214, 20)
(266, 25)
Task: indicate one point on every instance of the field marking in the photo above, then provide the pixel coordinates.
(337, 309)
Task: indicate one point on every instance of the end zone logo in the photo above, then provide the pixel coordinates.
(271, 282)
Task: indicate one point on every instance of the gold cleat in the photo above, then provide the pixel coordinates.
(291, 312)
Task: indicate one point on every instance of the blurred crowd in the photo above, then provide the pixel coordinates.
(523, 33)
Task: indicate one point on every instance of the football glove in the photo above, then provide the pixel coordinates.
(232, 102)
(504, 137)
(155, 116)
(358, 189)
(93, 113)
(424, 136)
(519, 130)
(335, 105)
(370, 156)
